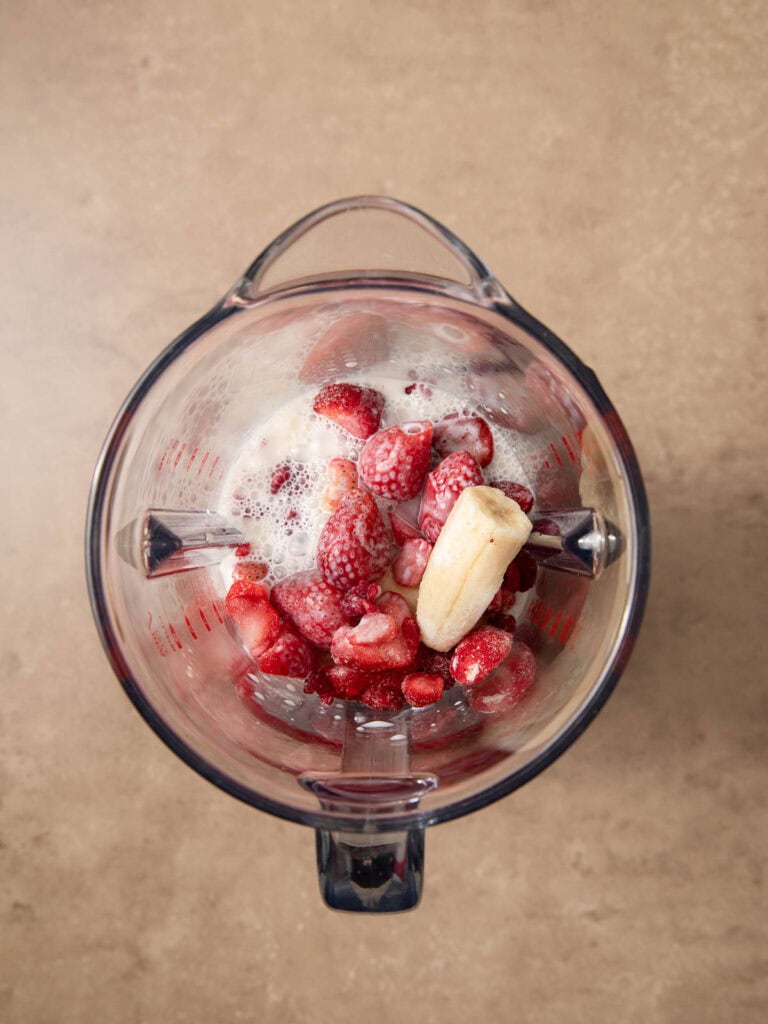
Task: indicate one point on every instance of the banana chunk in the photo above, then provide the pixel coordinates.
(482, 534)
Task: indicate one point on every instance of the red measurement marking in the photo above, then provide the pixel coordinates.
(175, 637)
(568, 448)
(546, 617)
(555, 623)
(554, 452)
(213, 605)
(566, 630)
(213, 466)
(202, 463)
(546, 464)
(168, 449)
(191, 460)
(205, 621)
(192, 633)
(180, 453)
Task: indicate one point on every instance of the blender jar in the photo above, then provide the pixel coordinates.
(360, 289)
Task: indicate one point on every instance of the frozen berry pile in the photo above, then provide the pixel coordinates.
(349, 628)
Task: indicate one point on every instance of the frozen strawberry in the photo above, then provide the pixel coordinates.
(402, 528)
(348, 646)
(354, 545)
(290, 655)
(420, 689)
(347, 682)
(443, 486)
(342, 478)
(360, 600)
(517, 492)
(280, 476)
(250, 571)
(411, 561)
(374, 628)
(504, 687)
(455, 433)
(312, 604)
(384, 694)
(527, 568)
(318, 682)
(257, 621)
(356, 409)
(242, 550)
(394, 462)
(479, 653)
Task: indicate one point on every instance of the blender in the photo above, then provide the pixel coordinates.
(360, 287)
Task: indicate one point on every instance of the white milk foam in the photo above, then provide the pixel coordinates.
(283, 528)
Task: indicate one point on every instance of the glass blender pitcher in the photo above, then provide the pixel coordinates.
(361, 288)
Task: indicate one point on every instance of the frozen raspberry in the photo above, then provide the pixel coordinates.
(394, 462)
(384, 694)
(360, 599)
(411, 561)
(257, 621)
(419, 389)
(290, 655)
(312, 604)
(348, 647)
(456, 433)
(517, 492)
(434, 663)
(250, 571)
(356, 409)
(319, 683)
(443, 486)
(527, 568)
(280, 475)
(479, 653)
(420, 689)
(354, 545)
(342, 478)
(402, 529)
(504, 687)
(501, 601)
(504, 621)
(242, 550)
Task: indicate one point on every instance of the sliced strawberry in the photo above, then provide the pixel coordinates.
(411, 561)
(250, 571)
(290, 655)
(354, 545)
(504, 687)
(455, 433)
(402, 529)
(342, 478)
(527, 569)
(357, 410)
(347, 647)
(517, 492)
(444, 484)
(394, 462)
(360, 599)
(479, 653)
(420, 689)
(374, 628)
(312, 604)
(257, 621)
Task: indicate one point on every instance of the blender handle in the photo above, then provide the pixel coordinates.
(371, 872)
(377, 236)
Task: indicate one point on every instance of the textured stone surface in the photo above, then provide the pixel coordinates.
(607, 159)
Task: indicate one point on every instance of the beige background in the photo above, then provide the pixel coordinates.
(607, 159)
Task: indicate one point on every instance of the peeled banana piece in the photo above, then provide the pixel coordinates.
(482, 534)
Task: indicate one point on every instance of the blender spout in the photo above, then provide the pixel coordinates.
(372, 873)
(166, 541)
